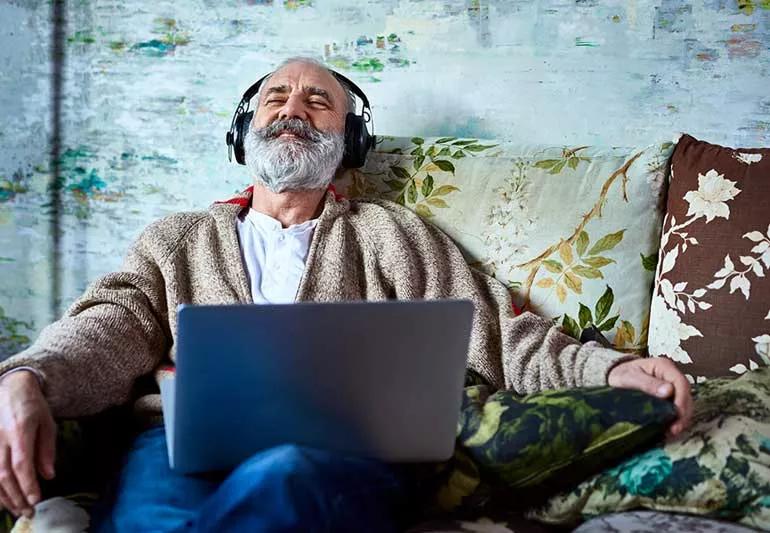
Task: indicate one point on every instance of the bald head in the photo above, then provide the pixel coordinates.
(310, 63)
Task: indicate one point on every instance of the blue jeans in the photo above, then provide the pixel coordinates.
(286, 488)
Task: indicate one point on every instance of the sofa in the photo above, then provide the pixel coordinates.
(661, 250)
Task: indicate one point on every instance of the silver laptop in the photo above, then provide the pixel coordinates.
(377, 379)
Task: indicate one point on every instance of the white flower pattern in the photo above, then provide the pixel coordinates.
(739, 278)
(762, 347)
(710, 200)
(695, 379)
(668, 331)
(510, 219)
(748, 158)
(740, 368)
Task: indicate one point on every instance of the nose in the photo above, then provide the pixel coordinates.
(293, 108)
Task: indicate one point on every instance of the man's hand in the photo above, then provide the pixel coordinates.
(659, 377)
(27, 442)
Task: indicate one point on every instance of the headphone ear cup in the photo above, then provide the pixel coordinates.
(357, 141)
(241, 129)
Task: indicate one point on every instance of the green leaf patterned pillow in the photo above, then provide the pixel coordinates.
(530, 445)
(720, 468)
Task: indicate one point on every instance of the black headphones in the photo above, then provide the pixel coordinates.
(358, 141)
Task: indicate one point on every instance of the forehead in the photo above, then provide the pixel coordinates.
(301, 75)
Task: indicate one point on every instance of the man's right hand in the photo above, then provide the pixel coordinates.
(27, 441)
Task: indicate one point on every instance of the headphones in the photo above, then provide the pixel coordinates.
(358, 141)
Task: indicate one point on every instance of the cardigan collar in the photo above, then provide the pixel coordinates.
(225, 214)
(334, 203)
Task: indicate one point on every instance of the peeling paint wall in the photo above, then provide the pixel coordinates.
(150, 88)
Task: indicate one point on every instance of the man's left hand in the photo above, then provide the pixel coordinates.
(658, 377)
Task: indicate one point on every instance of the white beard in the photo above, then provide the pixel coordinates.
(307, 161)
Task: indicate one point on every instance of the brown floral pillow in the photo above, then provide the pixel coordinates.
(711, 305)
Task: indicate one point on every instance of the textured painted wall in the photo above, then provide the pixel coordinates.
(150, 88)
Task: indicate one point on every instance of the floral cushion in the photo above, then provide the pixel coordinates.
(654, 522)
(711, 307)
(479, 525)
(720, 468)
(530, 446)
(56, 515)
(572, 231)
(636, 521)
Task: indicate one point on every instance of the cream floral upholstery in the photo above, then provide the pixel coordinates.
(572, 231)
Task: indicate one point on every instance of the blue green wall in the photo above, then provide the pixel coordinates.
(149, 88)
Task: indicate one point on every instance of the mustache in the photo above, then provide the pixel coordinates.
(295, 126)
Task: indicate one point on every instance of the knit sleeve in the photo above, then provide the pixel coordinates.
(535, 353)
(526, 353)
(114, 333)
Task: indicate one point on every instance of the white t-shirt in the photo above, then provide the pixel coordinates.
(274, 256)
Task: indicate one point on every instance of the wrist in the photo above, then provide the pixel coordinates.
(20, 378)
(616, 371)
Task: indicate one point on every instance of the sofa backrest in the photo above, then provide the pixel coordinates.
(571, 231)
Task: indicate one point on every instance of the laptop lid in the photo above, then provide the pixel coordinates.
(379, 379)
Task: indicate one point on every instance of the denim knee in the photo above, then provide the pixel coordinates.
(286, 459)
(298, 488)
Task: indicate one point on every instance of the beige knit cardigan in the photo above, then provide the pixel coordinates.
(124, 325)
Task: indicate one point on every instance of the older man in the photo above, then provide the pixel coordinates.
(327, 249)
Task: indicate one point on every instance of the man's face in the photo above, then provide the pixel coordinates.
(306, 92)
(296, 138)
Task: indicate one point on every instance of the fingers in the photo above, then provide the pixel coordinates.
(5, 501)
(683, 402)
(46, 449)
(658, 377)
(667, 370)
(23, 410)
(22, 461)
(649, 384)
(17, 502)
